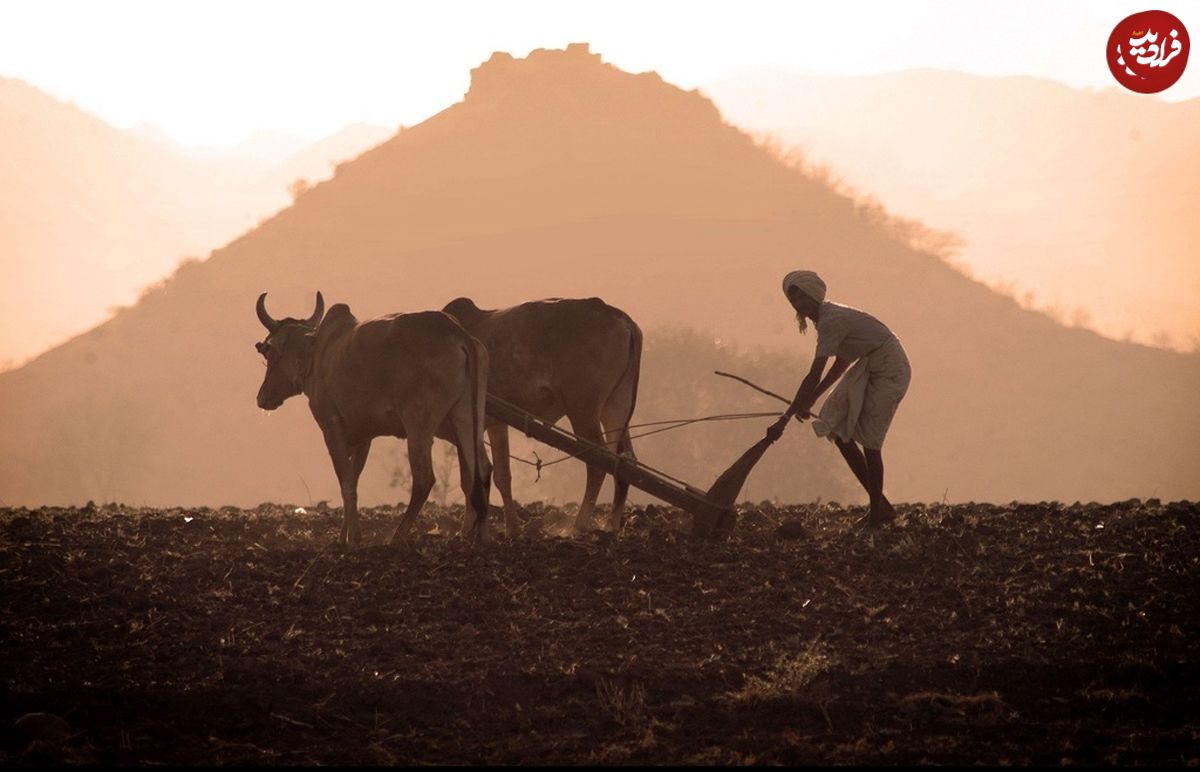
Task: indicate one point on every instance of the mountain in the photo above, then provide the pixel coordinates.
(317, 161)
(273, 147)
(90, 215)
(561, 175)
(1079, 201)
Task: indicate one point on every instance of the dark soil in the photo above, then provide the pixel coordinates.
(1027, 633)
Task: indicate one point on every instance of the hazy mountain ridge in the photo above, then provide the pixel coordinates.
(89, 214)
(1077, 201)
(559, 175)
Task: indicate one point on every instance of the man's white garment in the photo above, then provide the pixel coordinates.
(863, 403)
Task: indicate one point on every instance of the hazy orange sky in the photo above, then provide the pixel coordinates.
(212, 72)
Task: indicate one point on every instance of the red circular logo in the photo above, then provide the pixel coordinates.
(1148, 51)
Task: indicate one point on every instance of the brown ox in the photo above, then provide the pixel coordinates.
(413, 376)
(572, 357)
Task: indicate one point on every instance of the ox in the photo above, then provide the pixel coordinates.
(573, 357)
(414, 376)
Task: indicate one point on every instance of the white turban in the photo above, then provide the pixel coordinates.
(807, 282)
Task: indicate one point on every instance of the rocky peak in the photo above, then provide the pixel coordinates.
(572, 82)
(503, 73)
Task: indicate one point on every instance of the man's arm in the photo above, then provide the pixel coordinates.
(814, 385)
(807, 393)
(835, 372)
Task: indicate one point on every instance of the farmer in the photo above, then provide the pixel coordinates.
(860, 409)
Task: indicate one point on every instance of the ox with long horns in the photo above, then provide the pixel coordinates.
(414, 376)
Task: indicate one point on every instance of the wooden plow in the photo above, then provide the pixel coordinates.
(712, 510)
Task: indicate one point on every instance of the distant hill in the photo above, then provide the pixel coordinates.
(1077, 200)
(561, 175)
(90, 215)
(316, 162)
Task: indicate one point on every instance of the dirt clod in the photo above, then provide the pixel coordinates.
(42, 727)
(791, 529)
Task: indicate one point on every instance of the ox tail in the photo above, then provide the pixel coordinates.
(629, 380)
(627, 386)
(477, 372)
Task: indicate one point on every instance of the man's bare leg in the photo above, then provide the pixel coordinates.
(860, 466)
(881, 508)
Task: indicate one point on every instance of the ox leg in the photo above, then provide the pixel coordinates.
(474, 469)
(474, 520)
(615, 422)
(502, 476)
(358, 459)
(420, 461)
(348, 461)
(589, 429)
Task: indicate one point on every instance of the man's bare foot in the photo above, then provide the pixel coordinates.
(870, 522)
(878, 516)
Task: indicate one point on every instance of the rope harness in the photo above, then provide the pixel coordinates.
(677, 423)
(667, 426)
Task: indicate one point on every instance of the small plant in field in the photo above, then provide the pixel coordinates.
(623, 703)
(790, 674)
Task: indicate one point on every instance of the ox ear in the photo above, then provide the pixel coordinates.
(317, 313)
(263, 316)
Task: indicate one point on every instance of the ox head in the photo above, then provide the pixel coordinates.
(288, 349)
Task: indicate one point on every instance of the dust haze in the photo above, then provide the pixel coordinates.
(559, 175)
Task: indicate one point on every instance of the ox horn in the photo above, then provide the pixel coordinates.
(318, 312)
(263, 316)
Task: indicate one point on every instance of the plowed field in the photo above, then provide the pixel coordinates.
(1025, 633)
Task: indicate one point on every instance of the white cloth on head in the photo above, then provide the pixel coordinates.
(807, 282)
(863, 403)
